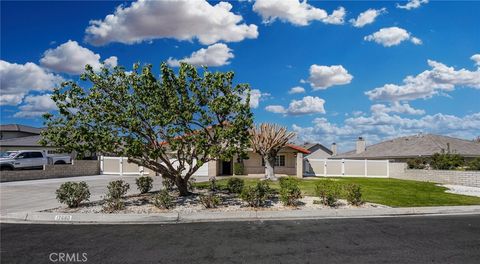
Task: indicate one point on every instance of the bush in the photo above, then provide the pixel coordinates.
(73, 193)
(209, 200)
(354, 194)
(113, 204)
(238, 169)
(163, 200)
(168, 184)
(289, 191)
(474, 164)
(258, 195)
(117, 189)
(213, 184)
(144, 184)
(446, 161)
(417, 163)
(235, 185)
(328, 191)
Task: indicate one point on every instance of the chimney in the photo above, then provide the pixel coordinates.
(334, 149)
(361, 145)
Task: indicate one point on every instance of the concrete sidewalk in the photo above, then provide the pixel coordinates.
(215, 216)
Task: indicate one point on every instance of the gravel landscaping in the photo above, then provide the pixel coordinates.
(142, 204)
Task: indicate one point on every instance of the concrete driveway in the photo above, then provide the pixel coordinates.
(36, 195)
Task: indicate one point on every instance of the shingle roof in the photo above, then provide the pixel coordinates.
(312, 147)
(30, 141)
(20, 128)
(417, 145)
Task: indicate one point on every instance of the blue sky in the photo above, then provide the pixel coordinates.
(350, 62)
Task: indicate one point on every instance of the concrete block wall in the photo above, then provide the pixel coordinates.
(78, 168)
(465, 178)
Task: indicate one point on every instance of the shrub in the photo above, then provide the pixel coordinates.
(238, 169)
(446, 161)
(73, 193)
(144, 184)
(163, 200)
(235, 185)
(168, 184)
(256, 196)
(474, 164)
(213, 184)
(328, 191)
(113, 204)
(354, 194)
(289, 191)
(209, 200)
(417, 163)
(117, 189)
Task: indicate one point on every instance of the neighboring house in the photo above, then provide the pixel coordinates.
(289, 162)
(404, 148)
(20, 137)
(319, 151)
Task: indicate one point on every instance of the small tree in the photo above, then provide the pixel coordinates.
(171, 125)
(267, 140)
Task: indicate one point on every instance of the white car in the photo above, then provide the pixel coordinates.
(30, 159)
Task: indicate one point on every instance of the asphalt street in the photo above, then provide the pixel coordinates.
(438, 239)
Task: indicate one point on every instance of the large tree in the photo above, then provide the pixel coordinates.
(267, 140)
(172, 124)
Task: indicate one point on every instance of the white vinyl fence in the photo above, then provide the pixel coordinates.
(121, 166)
(347, 168)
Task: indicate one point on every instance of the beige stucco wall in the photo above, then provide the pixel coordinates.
(253, 165)
(319, 154)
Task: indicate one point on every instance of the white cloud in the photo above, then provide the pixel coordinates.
(146, 20)
(71, 58)
(296, 90)
(396, 107)
(35, 106)
(307, 105)
(439, 79)
(16, 80)
(255, 97)
(392, 36)
(412, 4)
(382, 126)
(322, 77)
(214, 55)
(476, 59)
(296, 12)
(367, 17)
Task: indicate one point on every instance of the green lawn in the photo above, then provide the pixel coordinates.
(391, 192)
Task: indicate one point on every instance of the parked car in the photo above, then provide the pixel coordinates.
(30, 159)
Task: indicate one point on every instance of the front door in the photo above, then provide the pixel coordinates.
(226, 167)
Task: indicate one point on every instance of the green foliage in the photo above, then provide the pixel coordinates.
(117, 189)
(289, 191)
(213, 184)
(446, 161)
(209, 200)
(73, 193)
(197, 115)
(329, 191)
(144, 184)
(417, 163)
(474, 164)
(163, 200)
(257, 195)
(168, 184)
(235, 185)
(113, 204)
(238, 168)
(353, 193)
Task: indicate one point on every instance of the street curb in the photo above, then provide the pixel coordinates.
(217, 216)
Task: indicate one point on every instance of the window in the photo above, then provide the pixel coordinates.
(35, 155)
(279, 161)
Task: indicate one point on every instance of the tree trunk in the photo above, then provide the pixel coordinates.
(269, 168)
(182, 185)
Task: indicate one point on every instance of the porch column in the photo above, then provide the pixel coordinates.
(299, 165)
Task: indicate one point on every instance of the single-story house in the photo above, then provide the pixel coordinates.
(18, 137)
(289, 161)
(404, 148)
(319, 151)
